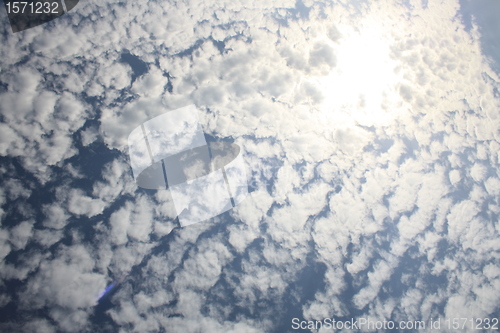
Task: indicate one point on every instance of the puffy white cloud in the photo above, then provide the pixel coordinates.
(21, 234)
(89, 135)
(203, 269)
(40, 122)
(478, 172)
(67, 285)
(382, 272)
(117, 180)
(454, 176)
(460, 217)
(492, 185)
(11, 142)
(56, 216)
(240, 237)
(47, 237)
(81, 204)
(134, 220)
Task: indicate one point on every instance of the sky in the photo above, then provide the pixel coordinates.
(370, 135)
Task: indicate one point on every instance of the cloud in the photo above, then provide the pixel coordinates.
(151, 85)
(203, 269)
(47, 237)
(5, 247)
(133, 220)
(493, 186)
(21, 234)
(382, 271)
(240, 237)
(57, 217)
(80, 204)
(478, 172)
(67, 281)
(362, 183)
(89, 135)
(10, 140)
(454, 176)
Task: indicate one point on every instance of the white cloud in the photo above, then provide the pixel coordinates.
(381, 272)
(47, 237)
(21, 234)
(66, 283)
(70, 321)
(150, 85)
(492, 185)
(132, 221)
(454, 176)
(240, 237)
(116, 76)
(89, 135)
(81, 204)
(5, 247)
(203, 269)
(11, 142)
(459, 218)
(56, 216)
(478, 172)
(39, 325)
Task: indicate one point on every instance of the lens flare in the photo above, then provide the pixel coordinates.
(112, 286)
(106, 291)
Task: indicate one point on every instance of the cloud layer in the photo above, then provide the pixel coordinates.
(370, 134)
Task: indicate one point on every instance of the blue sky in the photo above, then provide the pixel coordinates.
(483, 15)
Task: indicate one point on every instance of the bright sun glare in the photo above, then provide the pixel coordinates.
(363, 79)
